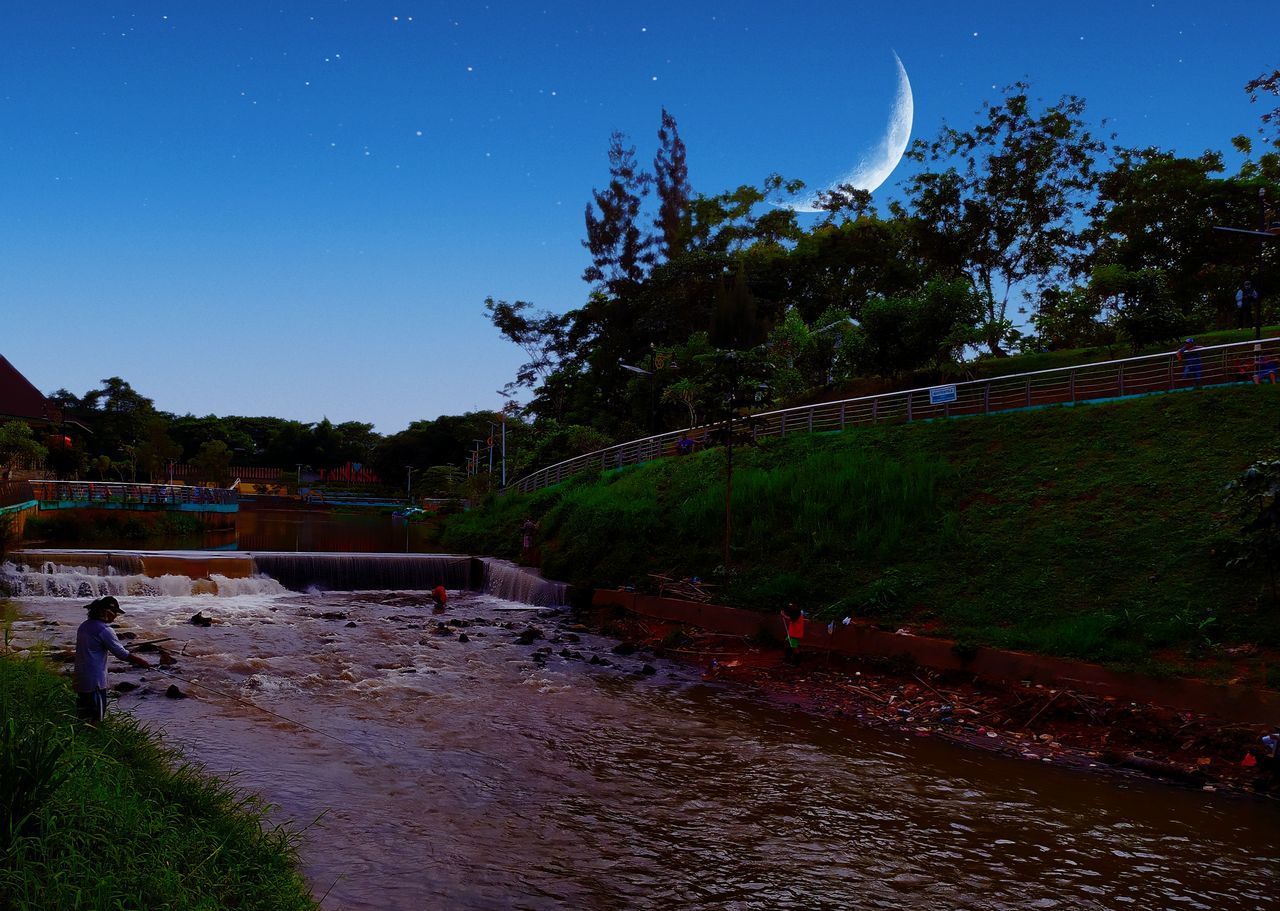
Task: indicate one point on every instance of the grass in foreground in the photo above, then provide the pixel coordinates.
(1090, 532)
(111, 819)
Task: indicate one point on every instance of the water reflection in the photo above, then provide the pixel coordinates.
(268, 529)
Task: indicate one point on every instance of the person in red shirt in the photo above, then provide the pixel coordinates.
(440, 598)
(793, 619)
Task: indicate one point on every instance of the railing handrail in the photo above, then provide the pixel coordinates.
(1023, 378)
(140, 492)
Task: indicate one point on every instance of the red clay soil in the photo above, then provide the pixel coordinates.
(1035, 722)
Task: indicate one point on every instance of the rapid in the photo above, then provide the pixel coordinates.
(500, 756)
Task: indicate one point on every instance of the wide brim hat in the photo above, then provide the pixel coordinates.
(106, 603)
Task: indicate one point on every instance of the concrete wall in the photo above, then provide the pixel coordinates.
(1245, 704)
(13, 519)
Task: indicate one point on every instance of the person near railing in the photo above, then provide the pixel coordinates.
(1189, 354)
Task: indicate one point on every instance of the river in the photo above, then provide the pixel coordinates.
(426, 771)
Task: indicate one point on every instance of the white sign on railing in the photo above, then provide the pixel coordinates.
(941, 395)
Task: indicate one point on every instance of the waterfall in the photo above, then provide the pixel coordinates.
(57, 580)
(362, 572)
(93, 574)
(509, 582)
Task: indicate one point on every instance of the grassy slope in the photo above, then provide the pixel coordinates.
(1089, 531)
(126, 826)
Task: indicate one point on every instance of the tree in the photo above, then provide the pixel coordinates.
(18, 442)
(156, 449)
(213, 462)
(671, 179)
(1141, 307)
(1008, 215)
(1268, 83)
(928, 329)
(118, 414)
(619, 250)
(1157, 211)
(542, 337)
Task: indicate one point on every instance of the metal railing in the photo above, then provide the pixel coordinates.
(108, 493)
(1250, 361)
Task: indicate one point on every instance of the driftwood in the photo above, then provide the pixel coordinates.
(686, 589)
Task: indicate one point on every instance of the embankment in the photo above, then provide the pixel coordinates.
(110, 818)
(1094, 532)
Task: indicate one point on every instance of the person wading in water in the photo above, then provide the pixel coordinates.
(793, 619)
(94, 639)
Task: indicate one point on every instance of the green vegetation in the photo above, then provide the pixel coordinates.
(110, 819)
(1092, 532)
(73, 527)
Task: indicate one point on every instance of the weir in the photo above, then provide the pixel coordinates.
(93, 574)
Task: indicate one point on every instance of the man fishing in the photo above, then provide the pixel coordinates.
(94, 639)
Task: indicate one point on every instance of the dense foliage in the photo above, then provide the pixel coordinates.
(1029, 208)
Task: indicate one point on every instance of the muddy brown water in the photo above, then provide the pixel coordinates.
(427, 772)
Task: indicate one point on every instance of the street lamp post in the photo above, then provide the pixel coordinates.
(408, 483)
(652, 374)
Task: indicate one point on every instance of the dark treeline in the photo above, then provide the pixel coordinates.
(125, 437)
(1028, 231)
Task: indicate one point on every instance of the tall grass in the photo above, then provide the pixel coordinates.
(109, 818)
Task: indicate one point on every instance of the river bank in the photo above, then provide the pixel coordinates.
(1033, 722)
(112, 818)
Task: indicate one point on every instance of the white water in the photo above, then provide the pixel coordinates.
(58, 581)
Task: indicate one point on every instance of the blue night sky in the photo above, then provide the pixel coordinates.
(298, 209)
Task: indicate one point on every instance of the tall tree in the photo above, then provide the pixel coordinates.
(542, 337)
(671, 179)
(1007, 215)
(620, 251)
(1267, 83)
(1156, 211)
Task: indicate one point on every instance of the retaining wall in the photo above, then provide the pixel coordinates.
(1245, 704)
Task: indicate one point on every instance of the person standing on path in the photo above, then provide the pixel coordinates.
(94, 639)
(1246, 300)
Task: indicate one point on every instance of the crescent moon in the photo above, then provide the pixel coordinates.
(874, 168)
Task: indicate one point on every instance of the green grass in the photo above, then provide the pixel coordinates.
(111, 819)
(1089, 532)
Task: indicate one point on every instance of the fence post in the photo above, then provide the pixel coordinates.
(875, 409)
(908, 407)
(1028, 393)
(842, 415)
(811, 420)
(986, 399)
(1073, 387)
(1122, 379)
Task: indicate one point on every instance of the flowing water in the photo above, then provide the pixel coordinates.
(434, 772)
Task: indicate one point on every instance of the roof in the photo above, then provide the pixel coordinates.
(20, 399)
